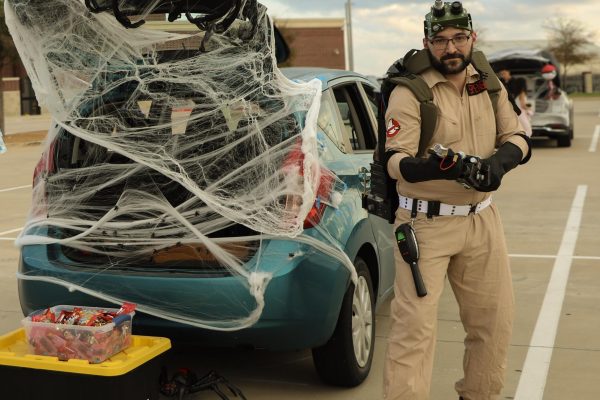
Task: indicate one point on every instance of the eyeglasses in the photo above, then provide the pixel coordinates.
(458, 41)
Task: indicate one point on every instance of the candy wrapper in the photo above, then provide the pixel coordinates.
(67, 332)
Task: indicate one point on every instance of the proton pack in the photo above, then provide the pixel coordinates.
(381, 199)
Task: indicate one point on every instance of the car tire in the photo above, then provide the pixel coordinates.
(345, 360)
(564, 141)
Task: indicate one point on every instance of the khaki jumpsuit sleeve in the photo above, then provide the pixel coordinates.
(404, 108)
(508, 126)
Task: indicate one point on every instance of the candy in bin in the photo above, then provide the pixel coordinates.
(67, 332)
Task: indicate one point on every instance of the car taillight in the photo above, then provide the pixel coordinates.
(314, 216)
(46, 164)
(44, 167)
(293, 203)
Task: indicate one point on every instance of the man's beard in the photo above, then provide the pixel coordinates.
(459, 62)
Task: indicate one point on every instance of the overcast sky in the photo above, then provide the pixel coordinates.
(384, 30)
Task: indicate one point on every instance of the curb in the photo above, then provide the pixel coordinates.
(25, 137)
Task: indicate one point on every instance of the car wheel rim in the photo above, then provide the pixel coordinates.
(362, 322)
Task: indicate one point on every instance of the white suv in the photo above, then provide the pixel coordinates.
(552, 115)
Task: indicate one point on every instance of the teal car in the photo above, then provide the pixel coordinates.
(311, 301)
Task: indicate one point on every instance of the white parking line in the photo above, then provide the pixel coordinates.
(585, 258)
(532, 255)
(14, 188)
(535, 370)
(11, 231)
(594, 143)
(7, 239)
(552, 256)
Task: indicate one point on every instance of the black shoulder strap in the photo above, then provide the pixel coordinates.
(492, 82)
(428, 109)
(417, 61)
(405, 73)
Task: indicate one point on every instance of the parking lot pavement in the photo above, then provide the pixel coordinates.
(26, 123)
(551, 214)
(16, 166)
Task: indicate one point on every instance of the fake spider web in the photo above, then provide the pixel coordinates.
(177, 164)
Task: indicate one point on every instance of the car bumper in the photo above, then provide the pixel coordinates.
(554, 123)
(302, 301)
(550, 131)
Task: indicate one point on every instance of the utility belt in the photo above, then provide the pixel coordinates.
(436, 208)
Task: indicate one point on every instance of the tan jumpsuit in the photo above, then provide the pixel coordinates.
(470, 250)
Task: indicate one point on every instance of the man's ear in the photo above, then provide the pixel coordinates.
(474, 36)
(425, 43)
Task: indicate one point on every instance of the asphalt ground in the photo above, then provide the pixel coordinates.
(551, 214)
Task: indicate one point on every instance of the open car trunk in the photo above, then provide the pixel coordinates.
(75, 154)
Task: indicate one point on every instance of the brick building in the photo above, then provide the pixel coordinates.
(18, 95)
(314, 42)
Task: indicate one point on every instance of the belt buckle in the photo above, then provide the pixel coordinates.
(473, 208)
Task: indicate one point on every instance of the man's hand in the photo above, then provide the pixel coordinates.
(493, 168)
(449, 167)
(474, 173)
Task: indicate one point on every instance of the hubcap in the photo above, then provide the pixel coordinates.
(362, 322)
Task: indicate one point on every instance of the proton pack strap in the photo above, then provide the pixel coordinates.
(417, 61)
(492, 82)
(428, 110)
(429, 114)
(417, 86)
(483, 66)
(405, 72)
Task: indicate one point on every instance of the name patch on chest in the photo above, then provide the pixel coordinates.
(476, 87)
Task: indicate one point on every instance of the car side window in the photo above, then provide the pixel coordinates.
(357, 123)
(370, 92)
(328, 121)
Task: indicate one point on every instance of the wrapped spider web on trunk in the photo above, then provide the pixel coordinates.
(160, 158)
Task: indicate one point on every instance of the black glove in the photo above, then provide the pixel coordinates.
(415, 169)
(493, 168)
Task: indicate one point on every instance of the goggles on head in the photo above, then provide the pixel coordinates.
(444, 15)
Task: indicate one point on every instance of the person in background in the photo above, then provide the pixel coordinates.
(517, 91)
(550, 90)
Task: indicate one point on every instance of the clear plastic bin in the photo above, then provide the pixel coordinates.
(92, 343)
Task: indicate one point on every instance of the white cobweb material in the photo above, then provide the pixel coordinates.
(180, 163)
